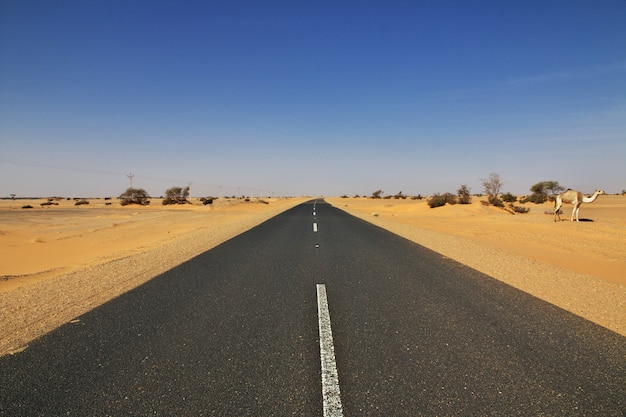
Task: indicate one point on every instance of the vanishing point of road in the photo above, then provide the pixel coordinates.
(317, 313)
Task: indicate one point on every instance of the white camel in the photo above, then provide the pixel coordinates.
(573, 197)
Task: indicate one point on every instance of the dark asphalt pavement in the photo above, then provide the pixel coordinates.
(234, 332)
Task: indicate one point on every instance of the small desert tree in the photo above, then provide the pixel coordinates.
(464, 195)
(135, 196)
(544, 190)
(176, 195)
(377, 194)
(492, 186)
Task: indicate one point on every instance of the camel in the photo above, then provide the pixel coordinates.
(573, 197)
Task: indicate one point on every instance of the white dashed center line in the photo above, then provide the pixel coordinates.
(315, 227)
(330, 378)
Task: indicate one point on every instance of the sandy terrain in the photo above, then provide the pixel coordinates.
(59, 262)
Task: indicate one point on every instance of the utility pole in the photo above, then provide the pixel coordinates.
(130, 176)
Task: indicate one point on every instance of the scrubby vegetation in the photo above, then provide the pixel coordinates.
(536, 198)
(135, 196)
(464, 195)
(491, 187)
(544, 191)
(50, 202)
(207, 200)
(518, 209)
(508, 198)
(81, 202)
(176, 195)
(439, 200)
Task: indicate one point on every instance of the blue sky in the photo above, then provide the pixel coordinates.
(310, 98)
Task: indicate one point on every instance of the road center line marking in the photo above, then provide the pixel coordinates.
(330, 379)
(315, 227)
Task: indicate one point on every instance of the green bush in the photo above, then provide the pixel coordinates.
(495, 201)
(519, 209)
(134, 196)
(465, 197)
(537, 198)
(438, 200)
(508, 198)
(176, 195)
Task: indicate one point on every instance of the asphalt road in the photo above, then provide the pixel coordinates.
(235, 332)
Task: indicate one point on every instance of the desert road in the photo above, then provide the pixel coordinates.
(317, 313)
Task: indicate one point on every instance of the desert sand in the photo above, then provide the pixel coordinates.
(61, 261)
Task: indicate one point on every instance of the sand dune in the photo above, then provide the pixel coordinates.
(61, 261)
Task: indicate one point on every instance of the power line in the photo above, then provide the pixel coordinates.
(130, 176)
(57, 167)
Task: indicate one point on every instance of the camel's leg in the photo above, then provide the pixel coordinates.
(576, 208)
(556, 210)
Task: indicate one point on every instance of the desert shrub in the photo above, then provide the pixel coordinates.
(27, 206)
(81, 202)
(508, 198)
(518, 209)
(536, 198)
(377, 194)
(207, 200)
(49, 203)
(417, 197)
(495, 201)
(464, 194)
(399, 196)
(438, 200)
(134, 196)
(176, 195)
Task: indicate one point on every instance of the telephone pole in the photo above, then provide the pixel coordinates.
(130, 176)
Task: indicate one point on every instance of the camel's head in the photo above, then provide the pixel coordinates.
(600, 192)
